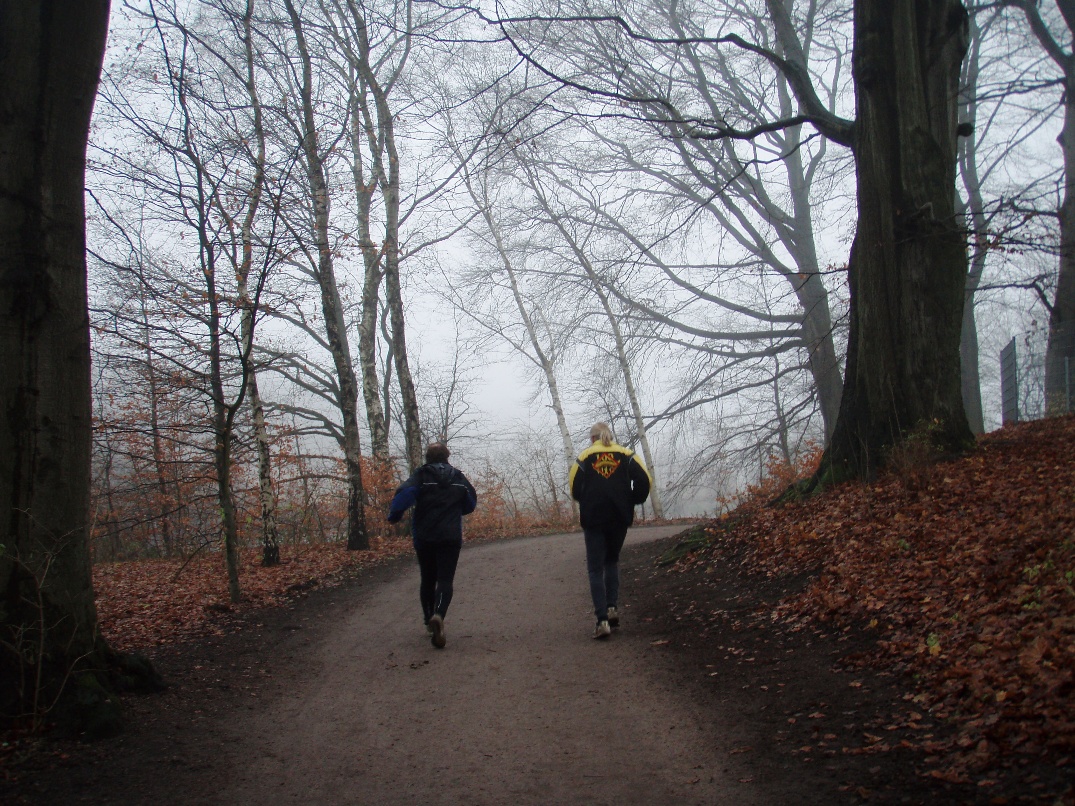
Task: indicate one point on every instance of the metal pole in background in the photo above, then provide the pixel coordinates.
(1009, 384)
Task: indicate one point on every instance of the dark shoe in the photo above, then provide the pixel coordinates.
(613, 618)
(602, 630)
(436, 624)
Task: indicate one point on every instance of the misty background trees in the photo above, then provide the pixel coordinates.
(642, 213)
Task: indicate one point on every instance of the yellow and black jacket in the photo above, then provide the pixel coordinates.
(608, 481)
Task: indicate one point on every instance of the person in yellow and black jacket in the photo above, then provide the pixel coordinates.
(608, 481)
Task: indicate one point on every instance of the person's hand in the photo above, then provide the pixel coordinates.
(395, 518)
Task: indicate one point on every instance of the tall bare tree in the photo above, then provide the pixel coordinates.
(50, 62)
(373, 76)
(908, 264)
(599, 287)
(332, 307)
(1053, 32)
(535, 348)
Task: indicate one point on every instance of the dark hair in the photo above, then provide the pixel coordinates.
(437, 452)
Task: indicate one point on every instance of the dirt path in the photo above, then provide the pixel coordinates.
(338, 698)
(522, 707)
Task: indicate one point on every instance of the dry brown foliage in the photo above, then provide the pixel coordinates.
(966, 576)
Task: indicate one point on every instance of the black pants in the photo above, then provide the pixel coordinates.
(436, 562)
(603, 546)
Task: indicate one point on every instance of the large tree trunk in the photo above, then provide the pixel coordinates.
(1060, 353)
(974, 213)
(50, 60)
(908, 263)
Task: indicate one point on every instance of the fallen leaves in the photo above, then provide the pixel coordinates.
(967, 576)
(154, 602)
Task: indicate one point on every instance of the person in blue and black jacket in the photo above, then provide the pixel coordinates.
(608, 481)
(441, 495)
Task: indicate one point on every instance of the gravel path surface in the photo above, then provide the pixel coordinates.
(522, 707)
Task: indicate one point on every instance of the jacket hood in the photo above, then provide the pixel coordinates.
(442, 472)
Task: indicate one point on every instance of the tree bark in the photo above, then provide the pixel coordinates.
(541, 356)
(1060, 352)
(331, 305)
(270, 539)
(371, 285)
(908, 264)
(974, 213)
(50, 60)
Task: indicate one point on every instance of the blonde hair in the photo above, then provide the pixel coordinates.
(602, 432)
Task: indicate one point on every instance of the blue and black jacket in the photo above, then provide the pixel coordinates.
(608, 481)
(441, 495)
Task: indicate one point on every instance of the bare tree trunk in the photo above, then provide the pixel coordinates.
(50, 58)
(809, 288)
(270, 533)
(371, 285)
(270, 554)
(332, 308)
(1060, 352)
(222, 432)
(156, 436)
(543, 359)
(223, 416)
(629, 383)
(380, 131)
(817, 333)
(413, 429)
(908, 264)
(393, 289)
(976, 221)
(621, 347)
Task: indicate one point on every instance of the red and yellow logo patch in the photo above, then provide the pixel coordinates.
(606, 464)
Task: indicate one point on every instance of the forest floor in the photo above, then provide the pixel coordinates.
(907, 641)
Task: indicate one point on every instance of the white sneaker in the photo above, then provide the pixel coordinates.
(602, 630)
(613, 618)
(437, 625)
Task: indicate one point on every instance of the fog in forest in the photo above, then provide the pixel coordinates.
(323, 233)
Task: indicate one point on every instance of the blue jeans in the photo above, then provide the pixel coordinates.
(603, 547)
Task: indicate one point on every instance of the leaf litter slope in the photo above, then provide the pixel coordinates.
(959, 576)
